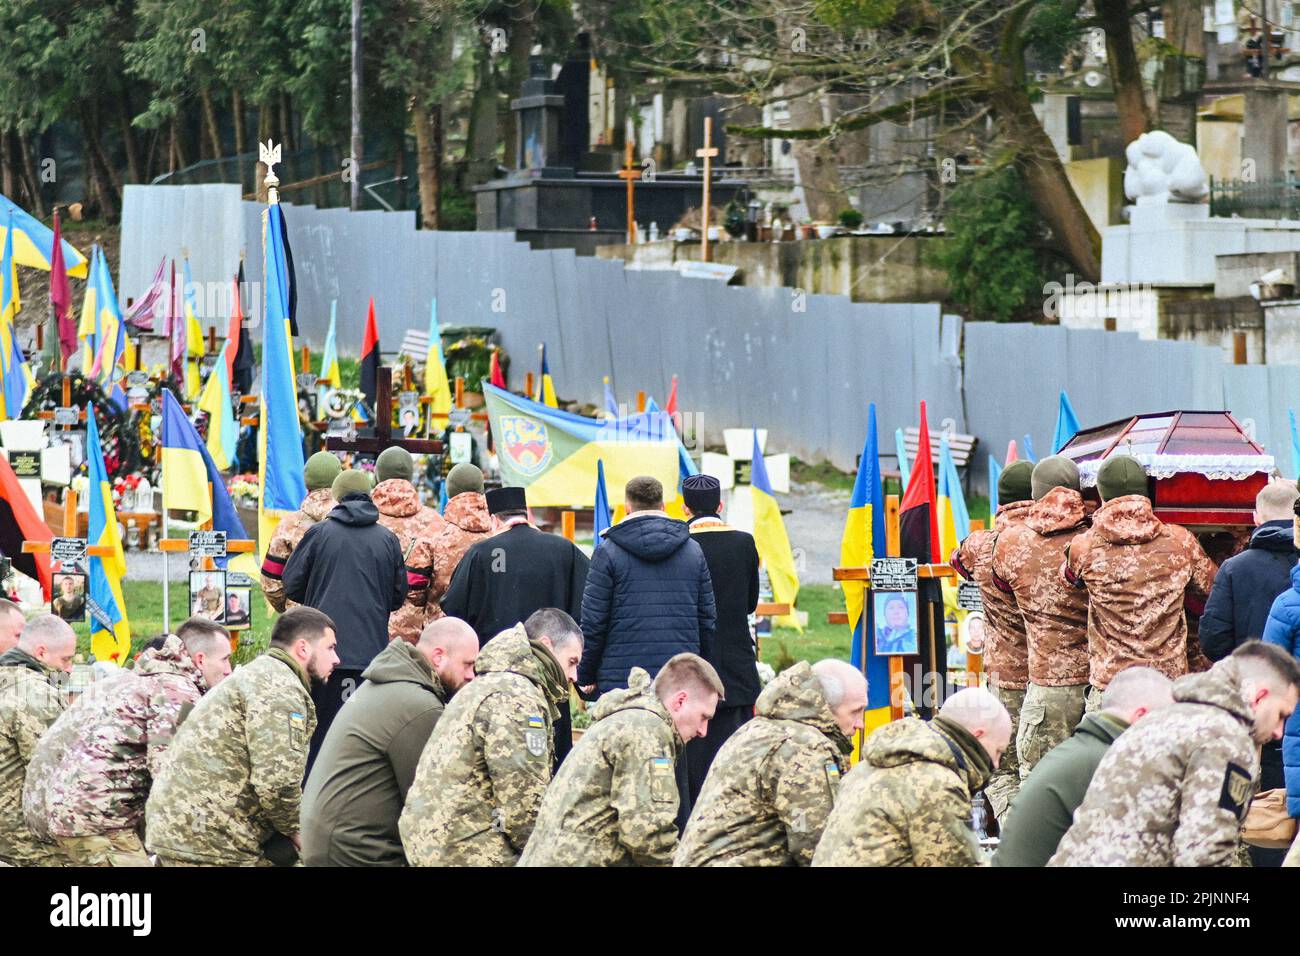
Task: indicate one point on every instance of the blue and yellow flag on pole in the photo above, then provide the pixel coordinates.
(863, 540)
(33, 241)
(771, 540)
(553, 453)
(110, 632)
(954, 518)
(601, 520)
(545, 385)
(1067, 424)
(193, 337)
(17, 376)
(223, 431)
(435, 373)
(281, 488)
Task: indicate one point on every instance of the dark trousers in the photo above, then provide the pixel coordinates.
(328, 698)
(563, 736)
(701, 751)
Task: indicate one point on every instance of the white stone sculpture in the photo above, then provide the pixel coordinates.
(1161, 169)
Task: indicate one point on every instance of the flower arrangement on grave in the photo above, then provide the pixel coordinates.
(471, 359)
(123, 486)
(243, 489)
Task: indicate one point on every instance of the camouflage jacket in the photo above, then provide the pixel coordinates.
(29, 703)
(93, 769)
(1173, 790)
(614, 801)
(1137, 570)
(467, 521)
(773, 783)
(315, 507)
(1006, 655)
(1027, 562)
(416, 527)
(481, 777)
(233, 774)
(908, 801)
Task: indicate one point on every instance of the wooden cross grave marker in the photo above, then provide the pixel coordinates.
(383, 430)
(707, 154)
(631, 174)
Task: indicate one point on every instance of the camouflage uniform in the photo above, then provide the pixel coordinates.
(773, 783)
(416, 527)
(315, 507)
(481, 777)
(908, 801)
(29, 704)
(87, 784)
(614, 801)
(1137, 571)
(1006, 653)
(1173, 790)
(233, 775)
(1027, 562)
(467, 521)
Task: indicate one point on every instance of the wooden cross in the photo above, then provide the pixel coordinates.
(182, 546)
(383, 431)
(630, 173)
(707, 154)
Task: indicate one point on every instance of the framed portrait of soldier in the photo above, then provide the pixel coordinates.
(208, 595)
(971, 633)
(238, 604)
(895, 622)
(69, 601)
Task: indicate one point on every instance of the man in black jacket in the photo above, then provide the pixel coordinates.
(504, 578)
(350, 567)
(733, 567)
(1237, 608)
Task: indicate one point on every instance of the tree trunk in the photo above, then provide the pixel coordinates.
(237, 111)
(30, 180)
(1181, 73)
(286, 124)
(481, 138)
(263, 134)
(428, 147)
(1125, 71)
(1073, 234)
(130, 141)
(98, 166)
(210, 122)
(7, 162)
(178, 138)
(519, 46)
(818, 160)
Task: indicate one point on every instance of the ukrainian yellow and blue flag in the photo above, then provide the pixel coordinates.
(223, 432)
(110, 632)
(33, 242)
(863, 540)
(545, 385)
(435, 373)
(193, 337)
(954, 518)
(279, 454)
(17, 375)
(771, 540)
(601, 520)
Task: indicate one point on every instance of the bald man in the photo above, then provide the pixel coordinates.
(357, 787)
(908, 801)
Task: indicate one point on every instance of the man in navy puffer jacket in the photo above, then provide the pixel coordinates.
(648, 595)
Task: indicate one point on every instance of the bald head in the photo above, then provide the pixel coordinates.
(451, 647)
(845, 690)
(50, 640)
(1276, 501)
(1136, 691)
(981, 713)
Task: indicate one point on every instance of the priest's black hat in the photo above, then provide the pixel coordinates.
(503, 500)
(702, 494)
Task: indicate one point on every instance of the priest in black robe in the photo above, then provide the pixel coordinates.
(515, 571)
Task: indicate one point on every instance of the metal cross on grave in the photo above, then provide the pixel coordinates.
(630, 173)
(383, 430)
(707, 154)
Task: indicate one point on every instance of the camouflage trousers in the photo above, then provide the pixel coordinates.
(172, 861)
(1047, 717)
(23, 849)
(118, 848)
(1005, 783)
(1094, 700)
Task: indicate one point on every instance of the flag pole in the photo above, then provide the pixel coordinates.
(167, 604)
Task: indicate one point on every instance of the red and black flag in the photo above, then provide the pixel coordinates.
(241, 367)
(370, 358)
(918, 515)
(918, 537)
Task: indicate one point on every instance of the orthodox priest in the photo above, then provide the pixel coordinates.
(517, 570)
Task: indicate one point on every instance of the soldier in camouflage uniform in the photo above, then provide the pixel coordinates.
(1006, 653)
(1027, 563)
(30, 702)
(482, 775)
(1173, 790)
(908, 801)
(88, 782)
(1138, 572)
(229, 791)
(467, 521)
(417, 527)
(322, 468)
(775, 780)
(614, 801)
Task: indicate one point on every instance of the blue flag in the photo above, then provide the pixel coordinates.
(1028, 449)
(1295, 444)
(1067, 425)
(995, 472)
(900, 447)
(601, 520)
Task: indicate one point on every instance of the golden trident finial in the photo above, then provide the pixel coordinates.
(269, 154)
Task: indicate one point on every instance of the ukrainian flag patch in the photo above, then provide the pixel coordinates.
(536, 723)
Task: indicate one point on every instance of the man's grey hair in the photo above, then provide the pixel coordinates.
(47, 630)
(835, 677)
(553, 623)
(1136, 687)
(975, 707)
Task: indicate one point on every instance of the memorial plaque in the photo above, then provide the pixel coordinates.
(26, 464)
(68, 415)
(137, 379)
(969, 597)
(893, 574)
(69, 552)
(207, 544)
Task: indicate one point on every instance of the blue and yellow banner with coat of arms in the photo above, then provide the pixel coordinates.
(553, 453)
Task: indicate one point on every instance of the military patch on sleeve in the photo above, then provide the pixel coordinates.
(663, 780)
(833, 777)
(1237, 790)
(535, 735)
(297, 731)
